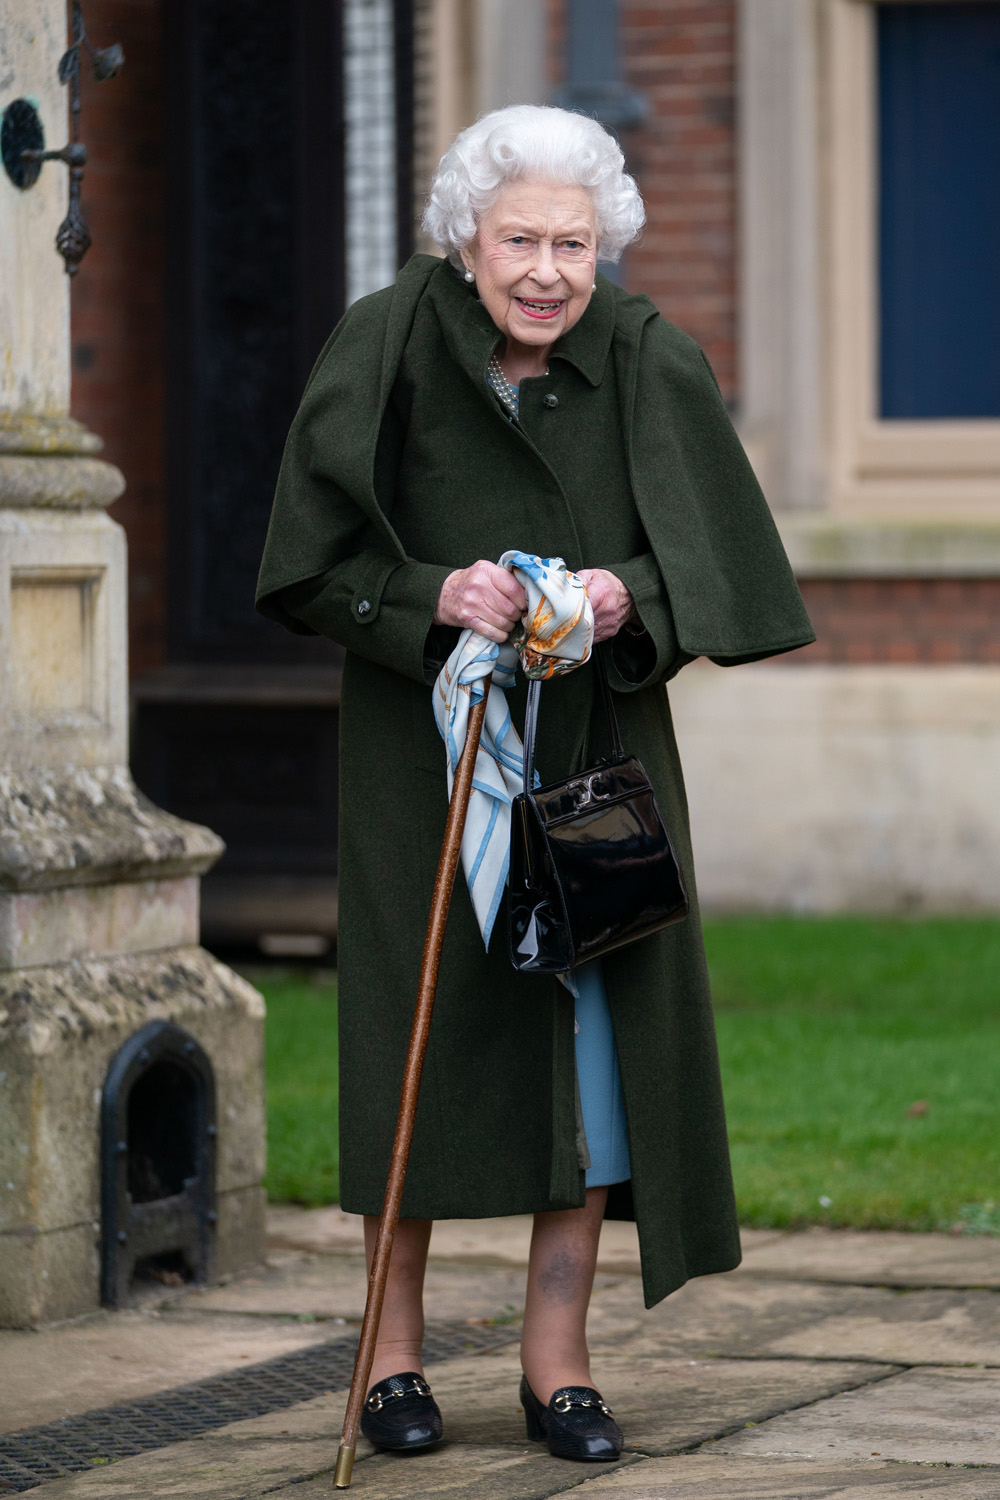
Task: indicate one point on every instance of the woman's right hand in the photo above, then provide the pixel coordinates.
(483, 598)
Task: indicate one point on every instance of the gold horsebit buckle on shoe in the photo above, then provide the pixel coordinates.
(418, 1388)
(562, 1405)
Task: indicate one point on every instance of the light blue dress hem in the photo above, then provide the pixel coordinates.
(601, 1097)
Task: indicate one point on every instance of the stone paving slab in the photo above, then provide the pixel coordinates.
(861, 1257)
(704, 1476)
(663, 1405)
(912, 1329)
(334, 1286)
(490, 1474)
(806, 1342)
(206, 1468)
(878, 1258)
(54, 1373)
(735, 1315)
(212, 1469)
(750, 1316)
(931, 1416)
(474, 1242)
(113, 1357)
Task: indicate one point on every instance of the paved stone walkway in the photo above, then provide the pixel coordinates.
(831, 1364)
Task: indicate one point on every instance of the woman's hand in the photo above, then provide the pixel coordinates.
(484, 597)
(610, 600)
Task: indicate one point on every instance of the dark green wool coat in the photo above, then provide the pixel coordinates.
(400, 467)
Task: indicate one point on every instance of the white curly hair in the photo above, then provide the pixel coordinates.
(532, 140)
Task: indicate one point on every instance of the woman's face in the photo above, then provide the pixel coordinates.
(534, 258)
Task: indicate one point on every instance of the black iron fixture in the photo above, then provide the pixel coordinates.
(22, 139)
(158, 1133)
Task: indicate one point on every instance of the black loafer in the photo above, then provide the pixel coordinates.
(575, 1424)
(400, 1413)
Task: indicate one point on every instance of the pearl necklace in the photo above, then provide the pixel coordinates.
(508, 393)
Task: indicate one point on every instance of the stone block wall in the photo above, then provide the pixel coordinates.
(836, 787)
(98, 887)
(60, 1025)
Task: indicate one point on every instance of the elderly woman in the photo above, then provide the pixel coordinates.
(509, 396)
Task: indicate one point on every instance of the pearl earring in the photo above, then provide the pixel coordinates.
(470, 276)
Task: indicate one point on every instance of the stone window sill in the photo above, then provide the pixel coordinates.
(820, 545)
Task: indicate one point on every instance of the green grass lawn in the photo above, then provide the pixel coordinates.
(861, 1062)
(302, 1156)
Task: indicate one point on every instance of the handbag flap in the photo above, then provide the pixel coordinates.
(599, 786)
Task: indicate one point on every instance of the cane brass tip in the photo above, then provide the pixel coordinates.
(345, 1466)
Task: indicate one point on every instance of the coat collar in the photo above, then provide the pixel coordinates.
(588, 341)
(472, 335)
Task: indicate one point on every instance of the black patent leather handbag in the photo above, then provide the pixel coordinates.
(591, 864)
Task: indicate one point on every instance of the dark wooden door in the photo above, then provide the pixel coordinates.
(239, 730)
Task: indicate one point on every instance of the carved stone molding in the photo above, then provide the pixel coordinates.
(71, 827)
(58, 483)
(24, 432)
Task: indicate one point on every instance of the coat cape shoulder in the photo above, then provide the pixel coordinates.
(731, 589)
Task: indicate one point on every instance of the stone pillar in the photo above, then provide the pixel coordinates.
(98, 888)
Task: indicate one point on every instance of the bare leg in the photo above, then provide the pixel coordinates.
(560, 1278)
(401, 1330)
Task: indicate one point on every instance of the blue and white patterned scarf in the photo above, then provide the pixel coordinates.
(555, 636)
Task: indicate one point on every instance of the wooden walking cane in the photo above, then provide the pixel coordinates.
(440, 902)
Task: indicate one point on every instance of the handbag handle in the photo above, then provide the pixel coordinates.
(531, 720)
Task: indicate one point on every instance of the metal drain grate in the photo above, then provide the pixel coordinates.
(38, 1454)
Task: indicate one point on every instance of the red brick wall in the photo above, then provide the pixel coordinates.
(935, 620)
(117, 297)
(681, 55)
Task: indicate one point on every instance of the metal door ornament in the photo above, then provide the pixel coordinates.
(22, 139)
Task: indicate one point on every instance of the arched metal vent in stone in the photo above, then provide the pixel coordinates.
(157, 1161)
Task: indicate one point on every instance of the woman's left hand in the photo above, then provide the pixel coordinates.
(610, 600)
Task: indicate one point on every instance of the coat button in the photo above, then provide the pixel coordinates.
(364, 606)
(550, 401)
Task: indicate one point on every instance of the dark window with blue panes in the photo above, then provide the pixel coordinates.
(939, 159)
